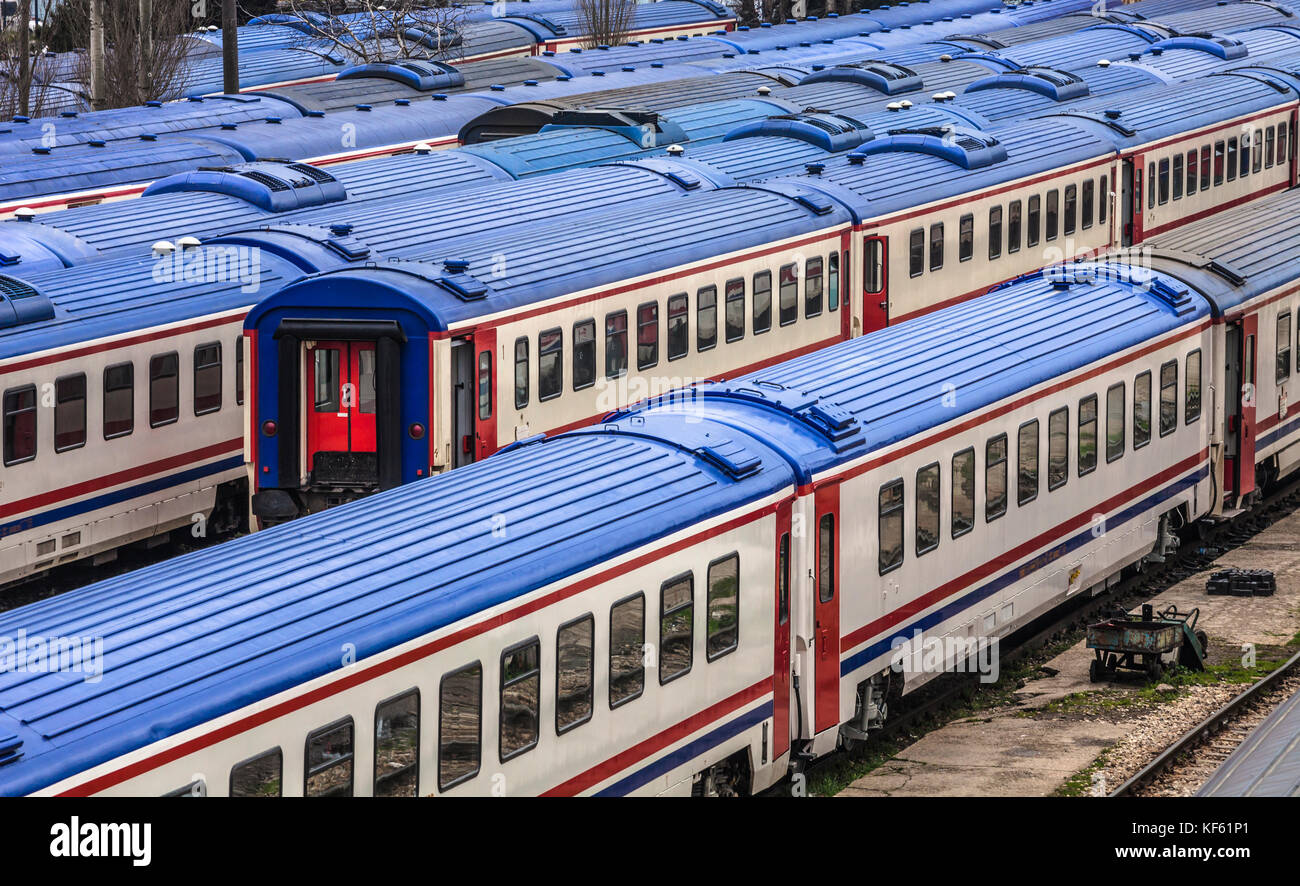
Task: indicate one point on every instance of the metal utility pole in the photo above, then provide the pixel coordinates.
(229, 47)
(24, 58)
(97, 100)
(144, 72)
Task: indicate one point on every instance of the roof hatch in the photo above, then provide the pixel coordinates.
(1227, 48)
(270, 185)
(645, 128)
(1059, 86)
(960, 146)
(426, 76)
(21, 303)
(830, 132)
(885, 77)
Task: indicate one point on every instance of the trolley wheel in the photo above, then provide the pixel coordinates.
(1094, 671)
(1154, 669)
(1205, 643)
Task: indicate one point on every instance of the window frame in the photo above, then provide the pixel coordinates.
(729, 297)
(85, 395)
(653, 307)
(766, 277)
(558, 351)
(706, 302)
(689, 577)
(277, 751)
(589, 322)
(1063, 411)
(1021, 499)
(989, 514)
(196, 368)
(443, 787)
(684, 314)
(709, 655)
(610, 650)
(177, 376)
(1122, 446)
(966, 237)
(974, 505)
(6, 412)
(374, 750)
(881, 514)
(130, 365)
(1190, 417)
(938, 508)
(591, 674)
(522, 402)
(351, 757)
(617, 336)
(1137, 386)
(503, 685)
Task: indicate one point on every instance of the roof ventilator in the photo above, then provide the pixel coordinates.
(21, 303)
(958, 145)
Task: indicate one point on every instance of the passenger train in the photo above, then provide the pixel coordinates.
(709, 590)
(189, 468)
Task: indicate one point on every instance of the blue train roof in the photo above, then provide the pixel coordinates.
(213, 631)
(1267, 763)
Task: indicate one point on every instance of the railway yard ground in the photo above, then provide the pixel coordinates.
(1045, 730)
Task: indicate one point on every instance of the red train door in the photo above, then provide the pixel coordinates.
(875, 283)
(781, 646)
(341, 410)
(1246, 422)
(485, 363)
(1130, 202)
(826, 607)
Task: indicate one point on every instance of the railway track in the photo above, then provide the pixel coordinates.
(1197, 551)
(1188, 762)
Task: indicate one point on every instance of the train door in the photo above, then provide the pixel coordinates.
(781, 674)
(485, 398)
(463, 387)
(826, 607)
(1130, 211)
(341, 433)
(875, 283)
(1239, 379)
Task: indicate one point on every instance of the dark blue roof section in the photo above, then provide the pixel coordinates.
(207, 633)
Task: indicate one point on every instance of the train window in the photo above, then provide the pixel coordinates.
(1013, 226)
(616, 344)
(873, 270)
(70, 412)
(1071, 207)
(789, 295)
(1163, 183)
(207, 378)
(1257, 150)
(1033, 213)
(963, 492)
(995, 477)
(1191, 172)
(626, 649)
(329, 761)
(1142, 410)
(484, 384)
(397, 746)
(1281, 143)
(966, 238)
(1088, 434)
(916, 252)
(1283, 345)
(1115, 422)
(550, 363)
(1053, 214)
(20, 425)
(995, 232)
(647, 335)
(259, 776)
(833, 280)
(723, 607)
(927, 508)
(164, 389)
(679, 324)
(762, 302)
(783, 579)
(812, 287)
(889, 526)
(521, 689)
(1232, 159)
(706, 318)
(1205, 167)
(1168, 397)
(1245, 154)
(325, 369)
(1192, 406)
(826, 557)
(239, 371)
(521, 372)
(1089, 200)
(1027, 462)
(366, 381)
(735, 292)
(1103, 199)
(460, 712)
(584, 354)
(1151, 185)
(119, 400)
(1058, 448)
(676, 626)
(1269, 141)
(936, 246)
(574, 673)
(1218, 163)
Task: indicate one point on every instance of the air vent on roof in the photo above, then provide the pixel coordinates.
(1059, 86)
(963, 147)
(11, 748)
(829, 419)
(273, 186)
(884, 77)
(21, 303)
(831, 132)
(1226, 48)
(425, 76)
(645, 128)
(460, 283)
(269, 182)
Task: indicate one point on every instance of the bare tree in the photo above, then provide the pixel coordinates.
(380, 30)
(137, 67)
(30, 79)
(607, 22)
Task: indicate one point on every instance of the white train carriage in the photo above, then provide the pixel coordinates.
(494, 630)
